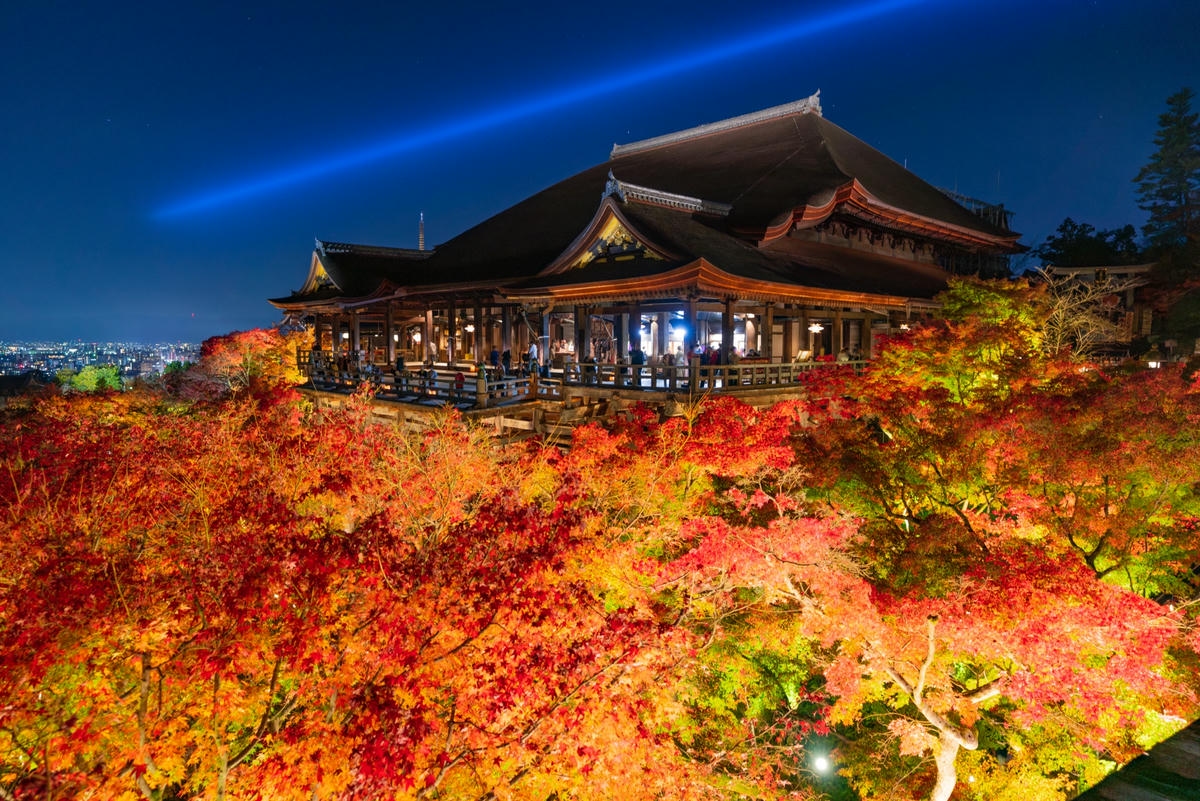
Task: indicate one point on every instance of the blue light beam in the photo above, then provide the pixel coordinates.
(408, 142)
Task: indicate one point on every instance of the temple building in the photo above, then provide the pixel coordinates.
(774, 237)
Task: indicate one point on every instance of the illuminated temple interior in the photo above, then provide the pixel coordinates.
(771, 238)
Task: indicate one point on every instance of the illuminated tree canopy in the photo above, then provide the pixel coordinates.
(971, 567)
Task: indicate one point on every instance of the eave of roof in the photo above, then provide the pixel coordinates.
(854, 199)
(1170, 771)
(698, 278)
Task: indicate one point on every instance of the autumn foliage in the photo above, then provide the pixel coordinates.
(969, 571)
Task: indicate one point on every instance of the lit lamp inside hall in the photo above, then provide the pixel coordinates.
(813, 330)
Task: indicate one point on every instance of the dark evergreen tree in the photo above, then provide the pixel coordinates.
(1080, 245)
(1168, 187)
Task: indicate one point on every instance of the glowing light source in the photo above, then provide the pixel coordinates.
(821, 764)
(777, 34)
(816, 328)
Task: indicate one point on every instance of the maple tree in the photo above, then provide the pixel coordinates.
(956, 534)
(258, 360)
(235, 602)
(943, 566)
(899, 545)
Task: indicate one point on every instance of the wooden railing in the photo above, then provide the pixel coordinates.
(671, 378)
(482, 387)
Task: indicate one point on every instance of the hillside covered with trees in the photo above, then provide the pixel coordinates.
(969, 572)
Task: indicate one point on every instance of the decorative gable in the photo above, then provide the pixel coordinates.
(608, 239)
(318, 277)
(614, 242)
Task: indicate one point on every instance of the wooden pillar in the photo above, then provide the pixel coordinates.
(544, 342)
(839, 338)
(390, 334)
(692, 321)
(506, 337)
(583, 341)
(727, 331)
(356, 332)
(451, 333)
(621, 329)
(477, 345)
(789, 337)
(663, 346)
(481, 388)
(767, 349)
(427, 343)
(635, 326)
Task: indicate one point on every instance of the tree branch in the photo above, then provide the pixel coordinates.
(967, 738)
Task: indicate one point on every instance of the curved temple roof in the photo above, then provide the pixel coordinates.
(724, 192)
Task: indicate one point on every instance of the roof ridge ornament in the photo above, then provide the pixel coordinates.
(613, 188)
(809, 105)
(626, 192)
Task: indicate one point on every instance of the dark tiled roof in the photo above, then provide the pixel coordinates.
(767, 169)
(763, 169)
(359, 269)
(1170, 771)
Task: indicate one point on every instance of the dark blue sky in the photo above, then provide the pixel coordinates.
(125, 120)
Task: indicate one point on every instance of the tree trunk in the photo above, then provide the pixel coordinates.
(947, 778)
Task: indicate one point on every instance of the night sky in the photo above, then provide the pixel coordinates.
(166, 166)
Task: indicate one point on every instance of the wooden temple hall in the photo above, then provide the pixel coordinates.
(725, 256)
